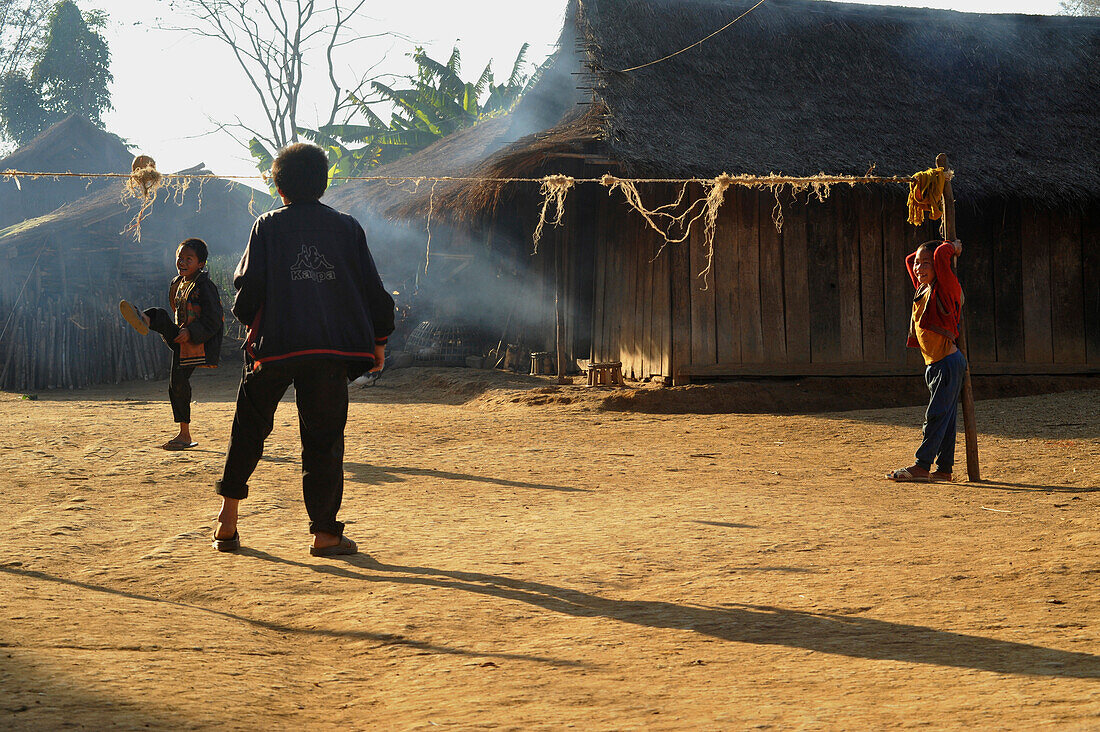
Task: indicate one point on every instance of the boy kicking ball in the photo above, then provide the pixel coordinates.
(193, 331)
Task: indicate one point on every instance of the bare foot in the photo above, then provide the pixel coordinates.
(321, 540)
(226, 526)
(941, 476)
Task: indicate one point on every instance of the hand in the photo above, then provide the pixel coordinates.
(958, 246)
(379, 357)
(184, 336)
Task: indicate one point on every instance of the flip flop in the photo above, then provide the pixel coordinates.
(133, 317)
(940, 477)
(902, 475)
(177, 445)
(231, 544)
(346, 546)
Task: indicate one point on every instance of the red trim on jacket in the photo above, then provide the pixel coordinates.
(319, 352)
(945, 306)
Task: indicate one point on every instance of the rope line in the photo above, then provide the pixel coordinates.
(736, 179)
(697, 43)
(554, 189)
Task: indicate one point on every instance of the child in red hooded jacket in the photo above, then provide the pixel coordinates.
(934, 328)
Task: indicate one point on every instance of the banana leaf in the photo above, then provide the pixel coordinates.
(261, 155)
(516, 79)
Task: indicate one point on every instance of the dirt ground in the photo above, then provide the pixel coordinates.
(542, 558)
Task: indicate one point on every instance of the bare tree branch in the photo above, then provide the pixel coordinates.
(272, 42)
(22, 23)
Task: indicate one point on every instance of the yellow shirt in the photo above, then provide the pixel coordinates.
(933, 346)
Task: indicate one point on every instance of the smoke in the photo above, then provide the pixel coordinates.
(469, 279)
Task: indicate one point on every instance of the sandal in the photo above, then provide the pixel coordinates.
(231, 544)
(941, 477)
(178, 445)
(346, 546)
(133, 317)
(902, 475)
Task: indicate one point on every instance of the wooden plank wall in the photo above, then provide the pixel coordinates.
(977, 228)
(831, 291)
(632, 296)
(1090, 270)
(823, 290)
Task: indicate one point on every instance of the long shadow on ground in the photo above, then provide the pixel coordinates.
(761, 624)
(379, 474)
(32, 697)
(382, 638)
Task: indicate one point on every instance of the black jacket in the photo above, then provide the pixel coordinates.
(199, 309)
(307, 287)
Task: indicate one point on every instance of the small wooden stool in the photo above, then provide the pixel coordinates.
(542, 362)
(606, 374)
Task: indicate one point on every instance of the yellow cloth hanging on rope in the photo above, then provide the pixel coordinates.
(926, 195)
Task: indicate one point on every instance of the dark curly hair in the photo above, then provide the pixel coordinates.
(198, 246)
(300, 172)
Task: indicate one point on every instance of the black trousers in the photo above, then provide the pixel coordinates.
(321, 393)
(179, 380)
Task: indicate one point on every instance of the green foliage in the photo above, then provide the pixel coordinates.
(434, 103)
(21, 110)
(1081, 7)
(22, 29)
(264, 159)
(70, 75)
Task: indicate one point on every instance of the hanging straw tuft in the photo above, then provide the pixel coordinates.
(553, 188)
(143, 183)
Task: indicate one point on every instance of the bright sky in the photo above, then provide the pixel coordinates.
(171, 89)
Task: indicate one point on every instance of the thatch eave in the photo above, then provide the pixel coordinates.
(800, 87)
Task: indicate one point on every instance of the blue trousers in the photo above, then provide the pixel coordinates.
(944, 379)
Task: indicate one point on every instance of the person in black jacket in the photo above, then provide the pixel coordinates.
(317, 315)
(193, 331)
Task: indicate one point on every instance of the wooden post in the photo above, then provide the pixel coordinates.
(973, 472)
(559, 304)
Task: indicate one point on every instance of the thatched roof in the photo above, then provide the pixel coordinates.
(800, 86)
(73, 145)
(216, 205)
(91, 230)
(804, 86)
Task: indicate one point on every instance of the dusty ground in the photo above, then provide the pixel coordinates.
(538, 561)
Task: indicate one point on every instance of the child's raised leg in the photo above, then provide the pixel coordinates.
(136, 318)
(160, 321)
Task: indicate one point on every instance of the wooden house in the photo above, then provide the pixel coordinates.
(795, 87)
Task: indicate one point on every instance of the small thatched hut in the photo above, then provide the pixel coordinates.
(800, 87)
(64, 273)
(73, 145)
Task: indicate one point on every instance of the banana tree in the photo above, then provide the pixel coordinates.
(434, 103)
